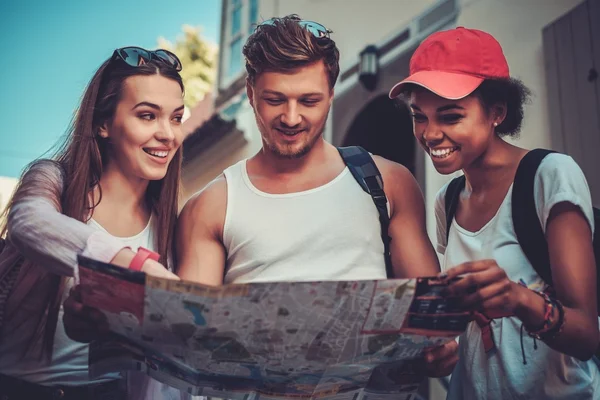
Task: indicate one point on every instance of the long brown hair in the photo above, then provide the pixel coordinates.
(81, 157)
(84, 152)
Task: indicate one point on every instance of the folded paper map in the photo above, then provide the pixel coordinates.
(303, 340)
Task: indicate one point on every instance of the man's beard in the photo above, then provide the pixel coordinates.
(292, 153)
(280, 151)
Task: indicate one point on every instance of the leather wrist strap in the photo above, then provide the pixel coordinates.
(140, 258)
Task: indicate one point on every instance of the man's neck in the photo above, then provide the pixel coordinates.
(269, 164)
(276, 176)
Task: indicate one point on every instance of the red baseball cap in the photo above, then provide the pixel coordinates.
(453, 63)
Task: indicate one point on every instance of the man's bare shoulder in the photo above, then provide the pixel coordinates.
(400, 185)
(393, 174)
(209, 204)
(199, 243)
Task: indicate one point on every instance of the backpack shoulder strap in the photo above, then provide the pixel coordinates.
(527, 225)
(451, 199)
(363, 169)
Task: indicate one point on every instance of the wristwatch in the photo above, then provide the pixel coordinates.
(140, 258)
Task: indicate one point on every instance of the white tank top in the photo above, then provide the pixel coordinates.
(69, 364)
(331, 232)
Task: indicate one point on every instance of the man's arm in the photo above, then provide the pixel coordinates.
(411, 250)
(199, 248)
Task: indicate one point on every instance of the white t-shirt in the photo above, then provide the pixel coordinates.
(501, 373)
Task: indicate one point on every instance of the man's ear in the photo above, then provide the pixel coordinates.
(331, 96)
(250, 93)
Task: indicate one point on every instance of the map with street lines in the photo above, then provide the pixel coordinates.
(329, 340)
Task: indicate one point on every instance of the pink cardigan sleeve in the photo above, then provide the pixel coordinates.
(38, 229)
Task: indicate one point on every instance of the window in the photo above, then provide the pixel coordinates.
(242, 16)
(235, 37)
(236, 20)
(252, 16)
(235, 57)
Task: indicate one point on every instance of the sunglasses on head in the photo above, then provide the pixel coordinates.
(136, 56)
(318, 30)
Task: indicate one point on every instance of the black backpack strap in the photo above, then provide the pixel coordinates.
(363, 168)
(451, 199)
(527, 225)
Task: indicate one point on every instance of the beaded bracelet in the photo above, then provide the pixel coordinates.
(551, 328)
(548, 316)
(557, 328)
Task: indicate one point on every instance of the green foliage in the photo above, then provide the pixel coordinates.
(199, 60)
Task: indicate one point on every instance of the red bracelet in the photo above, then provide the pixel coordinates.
(140, 258)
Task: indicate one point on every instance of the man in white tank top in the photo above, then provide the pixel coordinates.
(293, 212)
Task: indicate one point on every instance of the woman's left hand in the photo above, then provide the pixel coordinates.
(82, 323)
(484, 287)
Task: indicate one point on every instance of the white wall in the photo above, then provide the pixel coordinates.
(7, 186)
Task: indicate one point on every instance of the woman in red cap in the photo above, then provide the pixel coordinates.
(526, 342)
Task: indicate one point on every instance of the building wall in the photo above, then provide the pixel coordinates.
(210, 164)
(390, 15)
(517, 24)
(7, 187)
(360, 23)
(351, 33)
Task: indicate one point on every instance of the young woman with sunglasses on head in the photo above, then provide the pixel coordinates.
(111, 192)
(538, 346)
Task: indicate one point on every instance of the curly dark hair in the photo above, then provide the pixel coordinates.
(284, 45)
(510, 91)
